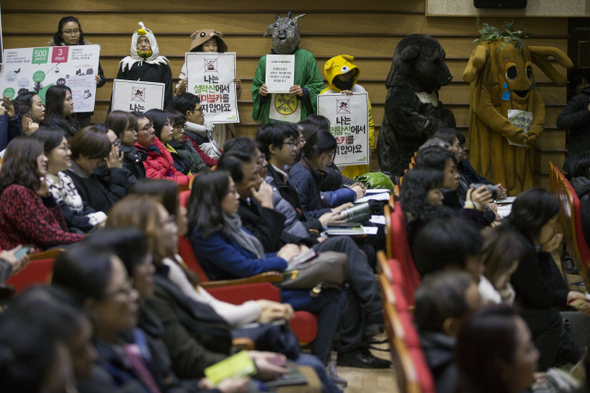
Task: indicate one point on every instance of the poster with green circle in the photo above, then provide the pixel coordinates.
(38, 76)
(9, 92)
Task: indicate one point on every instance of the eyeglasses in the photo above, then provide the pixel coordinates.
(116, 143)
(126, 290)
(199, 109)
(70, 32)
(147, 127)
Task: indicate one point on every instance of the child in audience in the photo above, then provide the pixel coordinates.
(28, 212)
(159, 163)
(199, 132)
(495, 353)
(443, 300)
(60, 110)
(165, 133)
(79, 216)
(69, 32)
(124, 126)
(500, 256)
(209, 40)
(179, 145)
(342, 76)
(146, 64)
(538, 284)
(90, 147)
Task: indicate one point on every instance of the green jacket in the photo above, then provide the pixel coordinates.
(307, 75)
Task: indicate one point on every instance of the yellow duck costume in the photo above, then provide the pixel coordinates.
(501, 76)
(341, 65)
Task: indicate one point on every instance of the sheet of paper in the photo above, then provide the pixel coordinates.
(377, 190)
(504, 211)
(280, 73)
(373, 197)
(378, 220)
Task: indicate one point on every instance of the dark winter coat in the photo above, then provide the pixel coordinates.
(575, 117)
(582, 187)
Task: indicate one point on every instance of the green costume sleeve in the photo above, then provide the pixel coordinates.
(257, 82)
(311, 79)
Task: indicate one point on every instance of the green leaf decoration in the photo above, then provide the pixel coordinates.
(508, 34)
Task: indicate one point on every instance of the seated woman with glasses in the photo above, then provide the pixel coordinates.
(181, 147)
(92, 148)
(159, 163)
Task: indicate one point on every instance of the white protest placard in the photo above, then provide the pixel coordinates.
(280, 73)
(211, 77)
(131, 96)
(37, 69)
(349, 123)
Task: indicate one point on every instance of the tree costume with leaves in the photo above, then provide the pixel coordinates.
(502, 81)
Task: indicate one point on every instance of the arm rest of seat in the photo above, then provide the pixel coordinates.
(273, 276)
(49, 254)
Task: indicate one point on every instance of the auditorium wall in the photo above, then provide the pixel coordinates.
(368, 30)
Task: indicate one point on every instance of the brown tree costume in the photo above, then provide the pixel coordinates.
(501, 78)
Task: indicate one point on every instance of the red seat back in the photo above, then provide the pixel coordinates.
(37, 272)
(401, 251)
(185, 250)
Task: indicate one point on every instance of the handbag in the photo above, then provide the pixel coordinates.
(273, 337)
(328, 269)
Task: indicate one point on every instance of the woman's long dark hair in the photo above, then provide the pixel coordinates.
(54, 101)
(485, 342)
(532, 210)
(50, 138)
(20, 163)
(159, 118)
(318, 143)
(413, 195)
(204, 206)
(57, 38)
(119, 121)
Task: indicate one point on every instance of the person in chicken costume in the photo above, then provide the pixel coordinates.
(507, 114)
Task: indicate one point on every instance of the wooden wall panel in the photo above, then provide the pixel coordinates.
(369, 30)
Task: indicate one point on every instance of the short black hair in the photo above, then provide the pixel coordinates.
(159, 118)
(319, 143)
(446, 134)
(319, 121)
(50, 138)
(434, 158)
(240, 143)
(441, 295)
(447, 242)
(532, 209)
(185, 102)
(232, 162)
(275, 133)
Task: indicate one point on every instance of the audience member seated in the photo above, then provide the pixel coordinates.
(445, 161)
(80, 217)
(259, 217)
(30, 102)
(307, 175)
(449, 244)
(199, 132)
(334, 179)
(181, 146)
(464, 167)
(538, 284)
(421, 199)
(28, 212)
(443, 300)
(59, 113)
(159, 163)
(580, 180)
(226, 250)
(55, 309)
(34, 353)
(124, 126)
(10, 125)
(90, 147)
(500, 256)
(495, 353)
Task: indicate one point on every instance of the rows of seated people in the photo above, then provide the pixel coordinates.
(469, 258)
(265, 203)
